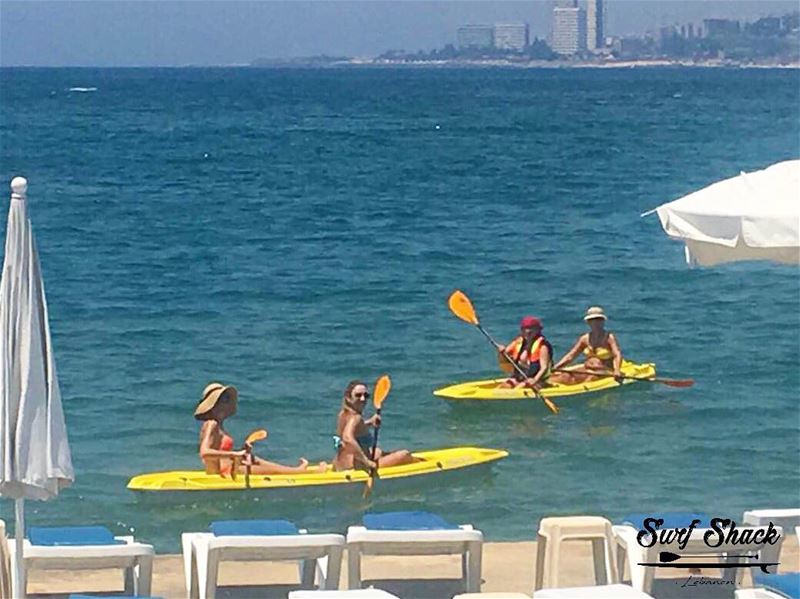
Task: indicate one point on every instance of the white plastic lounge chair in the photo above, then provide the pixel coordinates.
(785, 518)
(609, 591)
(414, 533)
(629, 551)
(85, 548)
(354, 594)
(259, 540)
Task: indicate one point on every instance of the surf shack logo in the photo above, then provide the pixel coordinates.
(722, 536)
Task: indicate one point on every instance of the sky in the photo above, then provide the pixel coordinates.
(231, 32)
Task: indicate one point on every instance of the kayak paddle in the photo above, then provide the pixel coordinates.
(461, 306)
(256, 435)
(668, 382)
(382, 387)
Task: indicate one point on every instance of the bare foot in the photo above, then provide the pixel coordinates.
(303, 465)
(322, 467)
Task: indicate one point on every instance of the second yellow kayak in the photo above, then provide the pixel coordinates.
(490, 390)
(432, 463)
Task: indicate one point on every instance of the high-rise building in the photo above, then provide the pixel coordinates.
(475, 36)
(720, 27)
(511, 36)
(569, 30)
(566, 4)
(595, 30)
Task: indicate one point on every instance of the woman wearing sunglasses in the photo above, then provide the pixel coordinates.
(354, 435)
(216, 446)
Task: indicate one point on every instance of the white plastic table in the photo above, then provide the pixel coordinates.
(609, 591)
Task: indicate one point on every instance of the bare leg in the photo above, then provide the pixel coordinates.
(562, 378)
(396, 458)
(264, 467)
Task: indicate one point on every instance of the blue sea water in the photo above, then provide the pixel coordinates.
(289, 230)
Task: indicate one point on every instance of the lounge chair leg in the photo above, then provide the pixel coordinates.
(354, 567)
(144, 576)
(129, 581)
(474, 565)
(212, 572)
(309, 571)
(334, 567)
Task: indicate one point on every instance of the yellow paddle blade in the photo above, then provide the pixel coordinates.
(368, 486)
(382, 387)
(550, 405)
(461, 306)
(257, 435)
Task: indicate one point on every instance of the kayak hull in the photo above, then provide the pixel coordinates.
(434, 466)
(489, 390)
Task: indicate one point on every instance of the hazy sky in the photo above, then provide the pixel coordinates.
(154, 32)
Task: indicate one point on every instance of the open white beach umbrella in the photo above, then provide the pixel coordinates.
(35, 461)
(753, 216)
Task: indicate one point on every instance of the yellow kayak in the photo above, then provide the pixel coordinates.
(433, 462)
(491, 390)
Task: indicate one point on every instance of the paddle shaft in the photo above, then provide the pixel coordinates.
(671, 382)
(373, 473)
(375, 439)
(249, 457)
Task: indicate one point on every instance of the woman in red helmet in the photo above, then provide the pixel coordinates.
(532, 352)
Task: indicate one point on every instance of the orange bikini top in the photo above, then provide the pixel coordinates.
(227, 443)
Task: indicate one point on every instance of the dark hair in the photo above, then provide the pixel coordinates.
(352, 385)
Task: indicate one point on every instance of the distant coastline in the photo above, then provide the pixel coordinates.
(324, 61)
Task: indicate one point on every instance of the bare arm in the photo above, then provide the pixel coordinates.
(616, 352)
(573, 353)
(210, 428)
(544, 365)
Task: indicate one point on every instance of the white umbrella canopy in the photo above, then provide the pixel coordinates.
(35, 461)
(753, 216)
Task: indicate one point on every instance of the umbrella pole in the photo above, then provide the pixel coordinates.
(19, 562)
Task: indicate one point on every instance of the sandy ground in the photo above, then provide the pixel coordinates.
(506, 567)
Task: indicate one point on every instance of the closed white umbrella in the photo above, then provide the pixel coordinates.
(753, 216)
(35, 461)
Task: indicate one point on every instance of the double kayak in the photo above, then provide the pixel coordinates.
(431, 464)
(490, 390)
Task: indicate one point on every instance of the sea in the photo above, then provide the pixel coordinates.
(288, 230)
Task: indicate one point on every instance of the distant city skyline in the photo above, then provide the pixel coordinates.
(176, 33)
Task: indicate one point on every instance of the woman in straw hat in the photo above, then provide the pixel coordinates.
(600, 348)
(216, 446)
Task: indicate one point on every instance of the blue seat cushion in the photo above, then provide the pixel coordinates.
(57, 536)
(406, 521)
(250, 528)
(785, 584)
(671, 519)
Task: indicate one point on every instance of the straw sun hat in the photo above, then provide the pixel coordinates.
(211, 395)
(595, 312)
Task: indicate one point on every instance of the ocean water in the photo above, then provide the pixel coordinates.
(289, 230)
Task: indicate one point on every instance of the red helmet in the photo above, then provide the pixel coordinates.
(529, 322)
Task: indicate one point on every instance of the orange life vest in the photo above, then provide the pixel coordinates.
(525, 357)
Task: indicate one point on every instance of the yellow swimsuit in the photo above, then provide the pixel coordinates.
(601, 353)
